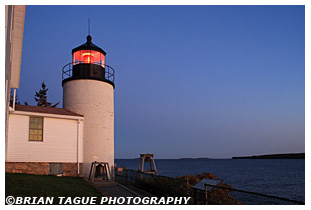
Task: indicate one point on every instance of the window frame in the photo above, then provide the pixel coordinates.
(32, 140)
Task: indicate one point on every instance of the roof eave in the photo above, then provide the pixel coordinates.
(17, 44)
(82, 47)
(40, 114)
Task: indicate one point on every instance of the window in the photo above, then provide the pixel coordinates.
(35, 129)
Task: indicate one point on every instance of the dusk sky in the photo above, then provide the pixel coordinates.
(191, 81)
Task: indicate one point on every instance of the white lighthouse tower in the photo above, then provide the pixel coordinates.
(88, 85)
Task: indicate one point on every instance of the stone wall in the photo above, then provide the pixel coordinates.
(40, 168)
(70, 169)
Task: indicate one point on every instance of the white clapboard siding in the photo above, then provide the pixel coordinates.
(59, 141)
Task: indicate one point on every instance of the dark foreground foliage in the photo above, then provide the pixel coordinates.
(27, 185)
(177, 187)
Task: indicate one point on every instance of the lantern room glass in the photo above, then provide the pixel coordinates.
(88, 56)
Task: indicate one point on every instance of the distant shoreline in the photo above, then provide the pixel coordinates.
(269, 156)
(274, 156)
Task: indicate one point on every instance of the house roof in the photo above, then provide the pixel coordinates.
(47, 110)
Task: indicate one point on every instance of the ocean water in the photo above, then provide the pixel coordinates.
(279, 177)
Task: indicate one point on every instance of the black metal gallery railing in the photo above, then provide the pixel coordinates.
(163, 186)
(67, 71)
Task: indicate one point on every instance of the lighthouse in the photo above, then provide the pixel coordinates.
(88, 86)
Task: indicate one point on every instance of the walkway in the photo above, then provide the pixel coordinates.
(113, 189)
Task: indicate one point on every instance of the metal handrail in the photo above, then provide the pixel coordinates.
(254, 193)
(67, 70)
(131, 176)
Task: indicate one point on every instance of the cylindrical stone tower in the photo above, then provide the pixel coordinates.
(88, 86)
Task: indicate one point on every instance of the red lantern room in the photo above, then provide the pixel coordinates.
(88, 62)
(88, 53)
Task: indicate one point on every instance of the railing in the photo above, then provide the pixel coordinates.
(235, 196)
(163, 186)
(154, 184)
(67, 70)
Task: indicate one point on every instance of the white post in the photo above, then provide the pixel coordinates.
(14, 96)
(78, 135)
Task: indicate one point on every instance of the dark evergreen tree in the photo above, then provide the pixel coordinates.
(41, 97)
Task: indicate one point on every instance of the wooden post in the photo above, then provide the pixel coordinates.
(155, 168)
(93, 171)
(139, 163)
(90, 176)
(142, 167)
(108, 171)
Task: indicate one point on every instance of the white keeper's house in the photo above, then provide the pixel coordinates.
(68, 140)
(43, 139)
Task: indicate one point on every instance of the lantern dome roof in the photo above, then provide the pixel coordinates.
(89, 46)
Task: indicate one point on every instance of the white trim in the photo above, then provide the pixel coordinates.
(78, 137)
(18, 22)
(47, 115)
(14, 98)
